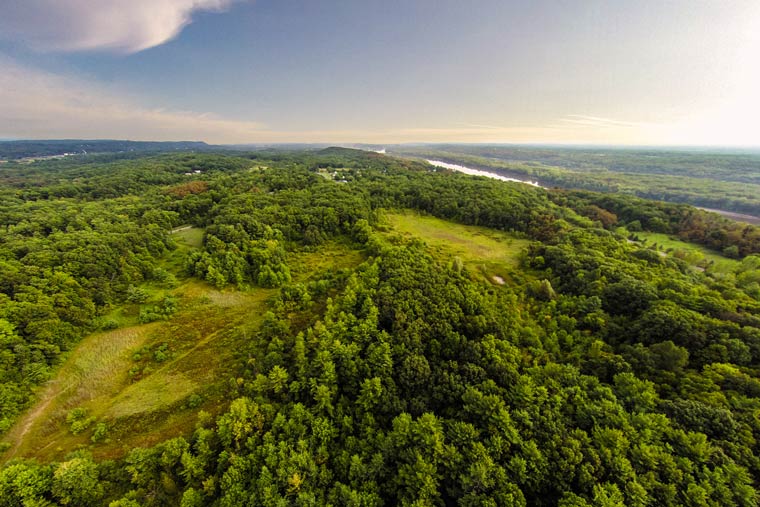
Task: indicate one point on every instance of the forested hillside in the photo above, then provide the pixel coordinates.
(345, 328)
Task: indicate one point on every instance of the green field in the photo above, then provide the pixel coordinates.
(494, 254)
(189, 236)
(332, 255)
(127, 377)
(149, 382)
(693, 254)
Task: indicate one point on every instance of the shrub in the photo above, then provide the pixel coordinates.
(78, 421)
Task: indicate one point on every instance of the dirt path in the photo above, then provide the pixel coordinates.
(66, 380)
(100, 355)
(17, 434)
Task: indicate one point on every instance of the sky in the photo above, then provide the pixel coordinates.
(639, 72)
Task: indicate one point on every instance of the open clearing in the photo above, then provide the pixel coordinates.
(190, 236)
(133, 379)
(112, 375)
(696, 255)
(332, 255)
(148, 382)
(494, 254)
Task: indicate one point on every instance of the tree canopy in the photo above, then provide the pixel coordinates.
(601, 372)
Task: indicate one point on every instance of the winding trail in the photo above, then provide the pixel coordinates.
(40, 406)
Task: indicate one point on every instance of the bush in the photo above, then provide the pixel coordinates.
(137, 295)
(109, 325)
(162, 353)
(194, 401)
(78, 421)
(100, 433)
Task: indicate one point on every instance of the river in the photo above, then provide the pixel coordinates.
(739, 217)
(478, 172)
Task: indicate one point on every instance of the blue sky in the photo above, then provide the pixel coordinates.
(635, 72)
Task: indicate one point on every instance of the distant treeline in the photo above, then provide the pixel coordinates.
(726, 181)
(12, 150)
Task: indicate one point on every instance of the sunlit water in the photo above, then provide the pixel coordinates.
(478, 172)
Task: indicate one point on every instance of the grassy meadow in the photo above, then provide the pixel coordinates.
(696, 255)
(144, 383)
(491, 253)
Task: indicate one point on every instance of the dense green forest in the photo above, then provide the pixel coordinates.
(339, 327)
(726, 180)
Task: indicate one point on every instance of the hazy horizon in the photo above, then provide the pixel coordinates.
(368, 146)
(571, 73)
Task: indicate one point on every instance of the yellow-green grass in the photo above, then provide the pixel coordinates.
(330, 255)
(116, 377)
(695, 254)
(192, 236)
(186, 240)
(495, 254)
(127, 314)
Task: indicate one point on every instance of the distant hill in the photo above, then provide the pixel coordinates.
(13, 150)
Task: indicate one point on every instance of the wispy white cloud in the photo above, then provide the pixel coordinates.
(596, 121)
(38, 104)
(481, 126)
(112, 25)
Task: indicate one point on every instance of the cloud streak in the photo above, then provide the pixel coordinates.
(110, 25)
(596, 121)
(38, 104)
